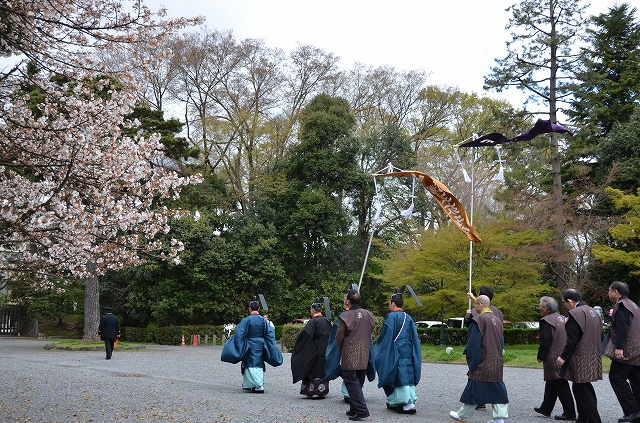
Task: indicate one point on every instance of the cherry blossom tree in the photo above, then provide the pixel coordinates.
(78, 197)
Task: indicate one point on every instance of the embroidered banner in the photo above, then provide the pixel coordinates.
(449, 203)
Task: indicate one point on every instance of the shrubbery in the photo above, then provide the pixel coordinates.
(172, 335)
(287, 334)
(458, 336)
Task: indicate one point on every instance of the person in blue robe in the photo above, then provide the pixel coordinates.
(398, 358)
(253, 344)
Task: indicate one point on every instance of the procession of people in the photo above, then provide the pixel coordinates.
(570, 350)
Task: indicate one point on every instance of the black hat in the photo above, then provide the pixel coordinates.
(254, 304)
(397, 295)
(109, 309)
(317, 305)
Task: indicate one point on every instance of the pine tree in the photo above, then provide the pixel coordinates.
(540, 61)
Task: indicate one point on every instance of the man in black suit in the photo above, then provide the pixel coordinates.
(109, 330)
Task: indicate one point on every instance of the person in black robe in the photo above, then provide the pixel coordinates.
(308, 356)
(109, 331)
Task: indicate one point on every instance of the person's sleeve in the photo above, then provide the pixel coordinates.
(474, 346)
(467, 319)
(622, 326)
(385, 356)
(546, 336)
(574, 333)
(416, 355)
(342, 330)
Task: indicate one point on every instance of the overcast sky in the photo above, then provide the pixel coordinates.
(456, 41)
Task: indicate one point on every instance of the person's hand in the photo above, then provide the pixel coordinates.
(539, 361)
(560, 361)
(619, 354)
(468, 311)
(470, 295)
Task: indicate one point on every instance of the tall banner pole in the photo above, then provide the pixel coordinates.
(473, 161)
(366, 257)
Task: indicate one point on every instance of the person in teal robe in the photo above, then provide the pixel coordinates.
(398, 358)
(253, 344)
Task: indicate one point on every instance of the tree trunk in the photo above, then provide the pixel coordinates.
(91, 306)
(558, 200)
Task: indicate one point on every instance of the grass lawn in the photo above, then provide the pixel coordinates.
(514, 355)
(78, 345)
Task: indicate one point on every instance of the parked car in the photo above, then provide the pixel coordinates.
(299, 321)
(455, 322)
(526, 325)
(430, 324)
(598, 310)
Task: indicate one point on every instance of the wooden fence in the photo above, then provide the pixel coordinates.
(10, 320)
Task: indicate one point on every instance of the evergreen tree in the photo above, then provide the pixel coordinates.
(619, 152)
(310, 207)
(608, 86)
(540, 62)
(176, 149)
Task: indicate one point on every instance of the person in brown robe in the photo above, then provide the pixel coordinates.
(485, 340)
(623, 348)
(353, 338)
(581, 359)
(553, 337)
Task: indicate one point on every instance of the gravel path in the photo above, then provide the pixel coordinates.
(191, 384)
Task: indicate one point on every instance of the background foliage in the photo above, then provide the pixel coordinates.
(285, 145)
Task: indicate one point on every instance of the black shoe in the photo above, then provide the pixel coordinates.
(256, 391)
(539, 411)
(629, 417)
(481, 407)
(358, 416)
(411, 411)
(351, 413)
(563, 417)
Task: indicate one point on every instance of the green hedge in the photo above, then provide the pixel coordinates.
(287, 334)
(290, 332)
(458, 336)
(172, 335)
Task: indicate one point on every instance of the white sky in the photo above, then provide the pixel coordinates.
(456, 41)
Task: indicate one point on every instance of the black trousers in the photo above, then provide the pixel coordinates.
(108, 346)
(353, 381)
(558, 389)
(586, 403)
(628, 393)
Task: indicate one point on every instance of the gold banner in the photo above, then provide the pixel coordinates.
(449, 203)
